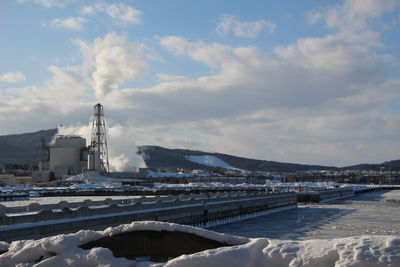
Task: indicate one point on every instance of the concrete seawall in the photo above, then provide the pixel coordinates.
(324, 195)
(200, 211)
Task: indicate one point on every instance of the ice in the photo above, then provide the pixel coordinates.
(365, 214)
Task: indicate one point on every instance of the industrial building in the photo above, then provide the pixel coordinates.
(69, 155)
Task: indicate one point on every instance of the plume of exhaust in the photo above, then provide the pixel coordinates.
(122, 150)
(112, 60)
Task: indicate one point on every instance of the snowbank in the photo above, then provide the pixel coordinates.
(63, 250)
(353, 251)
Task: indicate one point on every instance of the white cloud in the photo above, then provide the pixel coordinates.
(210, 54)
(73, 23)
(12, 77)
(120, 13)
(48, 3)
(249, 29)
(64, 91)
(353, 15)
(309, 99)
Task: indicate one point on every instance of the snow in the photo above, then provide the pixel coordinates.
(93, 178)
(352, 251)
(211, 161)
(63, 250)
(160, 226)
(153, 174)
(55, 200)
(95, 186)
(4, 246)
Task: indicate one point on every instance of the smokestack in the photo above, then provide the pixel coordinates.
(98, 152)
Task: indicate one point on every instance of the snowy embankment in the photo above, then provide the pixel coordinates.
(64, 250)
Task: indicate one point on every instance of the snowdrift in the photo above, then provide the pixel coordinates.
(66, 250)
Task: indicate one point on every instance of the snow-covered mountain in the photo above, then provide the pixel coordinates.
(160, 157)
(211, 161)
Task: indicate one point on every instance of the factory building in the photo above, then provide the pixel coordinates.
(67, 156)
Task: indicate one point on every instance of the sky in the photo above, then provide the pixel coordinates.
(313, 82)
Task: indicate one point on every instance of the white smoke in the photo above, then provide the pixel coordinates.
(112, 60)
(122, 151)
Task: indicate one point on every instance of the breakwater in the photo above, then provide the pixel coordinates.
(324, 195)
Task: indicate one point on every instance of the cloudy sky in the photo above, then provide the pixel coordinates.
(295, 81)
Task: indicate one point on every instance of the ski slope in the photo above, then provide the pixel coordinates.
(211, 161)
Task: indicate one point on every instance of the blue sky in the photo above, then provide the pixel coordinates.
(27, 42)
(298, 81)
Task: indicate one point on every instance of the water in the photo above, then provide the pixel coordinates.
(375, 213)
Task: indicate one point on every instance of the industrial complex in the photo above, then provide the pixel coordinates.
(68, 154)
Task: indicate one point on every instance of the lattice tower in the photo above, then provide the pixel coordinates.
(98, 143)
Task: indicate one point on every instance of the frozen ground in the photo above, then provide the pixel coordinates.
(55, 200)
(376, 213)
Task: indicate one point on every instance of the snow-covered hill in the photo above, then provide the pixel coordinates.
(211, 161)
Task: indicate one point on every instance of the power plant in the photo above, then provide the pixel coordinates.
(68, 154)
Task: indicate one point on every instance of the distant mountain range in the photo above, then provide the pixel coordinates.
(25, 149)
(160, 157)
